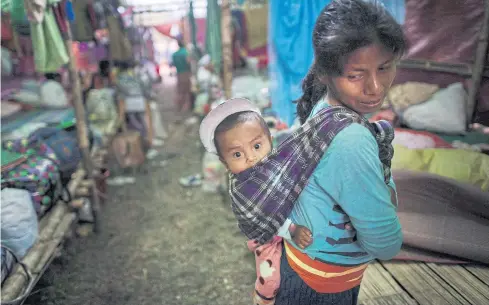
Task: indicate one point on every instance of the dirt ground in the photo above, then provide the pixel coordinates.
(159, 242)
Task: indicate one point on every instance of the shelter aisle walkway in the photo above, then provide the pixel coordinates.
(163, 244)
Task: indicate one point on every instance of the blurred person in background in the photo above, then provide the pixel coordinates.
(181, 61)
(132, 97)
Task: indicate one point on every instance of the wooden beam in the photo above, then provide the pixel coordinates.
(423, 284)
(464, 282)
(464, 70)
(81, 123)
(379, 287)
(478, 68)
(227, 59)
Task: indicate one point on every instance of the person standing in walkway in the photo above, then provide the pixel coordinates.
(181, 61)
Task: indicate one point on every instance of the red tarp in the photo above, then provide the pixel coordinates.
(444, 31)
(164, 29)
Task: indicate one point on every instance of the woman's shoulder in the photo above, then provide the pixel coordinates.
(353, 136)
(355, 142)
(353, 150)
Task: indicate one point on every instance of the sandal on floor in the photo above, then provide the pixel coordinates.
(193, 180)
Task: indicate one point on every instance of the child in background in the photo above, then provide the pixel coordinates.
(237, 133)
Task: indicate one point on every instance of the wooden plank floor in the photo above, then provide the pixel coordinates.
(410, 283)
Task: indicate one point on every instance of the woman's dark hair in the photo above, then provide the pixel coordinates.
(343, 27)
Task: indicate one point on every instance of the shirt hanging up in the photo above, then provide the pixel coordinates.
(50, 52)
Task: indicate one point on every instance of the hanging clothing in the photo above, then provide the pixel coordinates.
(6, 28)
(70, 14)
(35, 10)
(120, 47)
(49, 48)
(213, 33)
(99, 10)
(61, 17)
(82, 28)
(290, 51)
(18, 16)
(257, 25)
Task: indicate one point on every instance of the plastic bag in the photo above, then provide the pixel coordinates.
(214, 173)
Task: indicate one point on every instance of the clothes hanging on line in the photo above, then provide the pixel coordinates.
(49, 49)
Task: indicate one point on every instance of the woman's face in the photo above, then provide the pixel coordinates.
(367, 76)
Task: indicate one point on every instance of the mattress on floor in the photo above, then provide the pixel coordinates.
(37, 115)
(443, 215)
(472, 137)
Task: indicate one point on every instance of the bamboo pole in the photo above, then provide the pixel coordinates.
(465, 70)
(15, 282)
(48, 226)
(81, 124)
(227, 60)
(480, 60)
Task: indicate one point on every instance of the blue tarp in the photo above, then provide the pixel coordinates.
(290, 48)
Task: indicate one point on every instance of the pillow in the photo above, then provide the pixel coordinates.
(444, 112)
(19, 225)
(408, 94)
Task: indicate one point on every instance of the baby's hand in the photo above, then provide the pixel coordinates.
(302, 236)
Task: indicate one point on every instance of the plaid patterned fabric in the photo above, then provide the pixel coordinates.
(263, 196)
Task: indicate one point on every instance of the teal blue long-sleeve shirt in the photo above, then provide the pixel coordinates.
(348, 186)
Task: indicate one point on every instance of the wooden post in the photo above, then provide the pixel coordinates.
(465, 70)
(480, 60)
(227, 59)
(81, 124)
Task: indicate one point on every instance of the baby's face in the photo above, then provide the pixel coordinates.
(243, 146)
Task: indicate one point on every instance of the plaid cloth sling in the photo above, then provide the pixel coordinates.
(263, 196)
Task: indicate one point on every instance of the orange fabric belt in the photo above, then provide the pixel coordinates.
(323, 277)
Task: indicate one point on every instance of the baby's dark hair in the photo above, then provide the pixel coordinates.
(343, 27)
(239, 118)
(52, 76)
